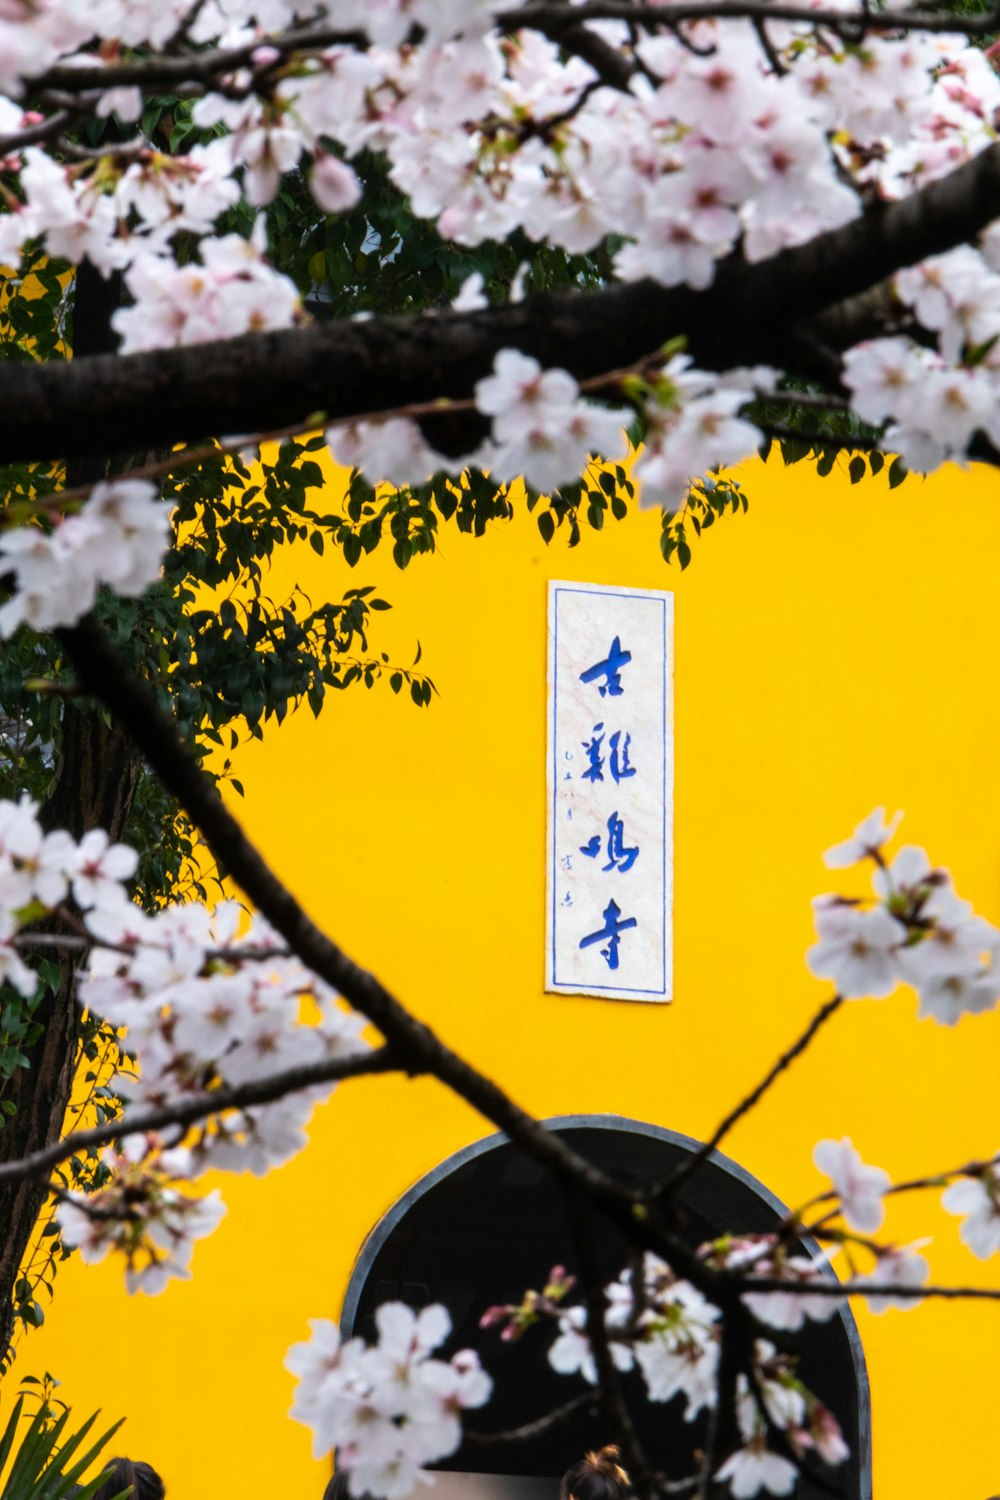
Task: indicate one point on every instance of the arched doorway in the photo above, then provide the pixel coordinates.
(488, 1222)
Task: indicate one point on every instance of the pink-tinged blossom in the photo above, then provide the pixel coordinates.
(541, 429)
(791, 1310)
(520, 394)
(823, 1434)
(698, 432)
(100, 869)
(857, 950)
(394, 451)
(117, 539)
(978, 1199)
(859, 1188)
(865, 842)
(759, 1256)
(902, 1267)
(884, 376)
(233, 291)
(333, 183)
(390, 1408)
(142, 1215)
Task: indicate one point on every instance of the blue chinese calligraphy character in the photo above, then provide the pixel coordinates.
(593, 848)
(619, 858)
(621, 767)
(595, 760)
(611, 930)
(610, 670)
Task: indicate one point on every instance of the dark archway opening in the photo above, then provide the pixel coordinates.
(489, 1223)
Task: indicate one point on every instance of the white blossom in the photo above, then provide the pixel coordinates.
(978, 1198)
(866, 841)
(857, 950)
(390, 1408)
(859, 1188)
(754, 1468)
(895, 1267)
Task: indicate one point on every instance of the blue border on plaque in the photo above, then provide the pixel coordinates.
(661, 604)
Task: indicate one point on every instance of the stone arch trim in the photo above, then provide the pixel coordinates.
(620, 1125)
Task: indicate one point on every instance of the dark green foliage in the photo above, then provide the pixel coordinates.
(49, 1459)
(708, 500)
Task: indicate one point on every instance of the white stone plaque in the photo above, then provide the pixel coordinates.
(610, 792)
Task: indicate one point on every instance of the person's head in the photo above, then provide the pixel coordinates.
(597, 1476)
(134, 1475)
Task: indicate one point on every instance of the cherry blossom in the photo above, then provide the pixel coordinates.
(978, 1198)
(754, 1468)
(142, 1214)
(541, 428)
(865, 843)
(117, 538)
(390, 1408)
(719, 143)
(101, 867)
(857, 950)
(902, 1267)
(859, 1188)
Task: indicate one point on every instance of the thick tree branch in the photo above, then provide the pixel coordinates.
(416, 1048)
(551, 15)
(101, 672)
(170, 71)
(751, 313)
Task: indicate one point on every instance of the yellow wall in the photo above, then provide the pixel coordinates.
(835, 649)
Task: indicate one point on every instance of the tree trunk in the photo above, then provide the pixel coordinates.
(94, 787)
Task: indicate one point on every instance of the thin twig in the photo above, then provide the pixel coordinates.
(672, 1183)
(612, 1398)
(202, 1106)
(541, 1425)
(839, 1289)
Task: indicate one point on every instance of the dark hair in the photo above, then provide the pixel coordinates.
(134, 1475)
(597, 1476)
